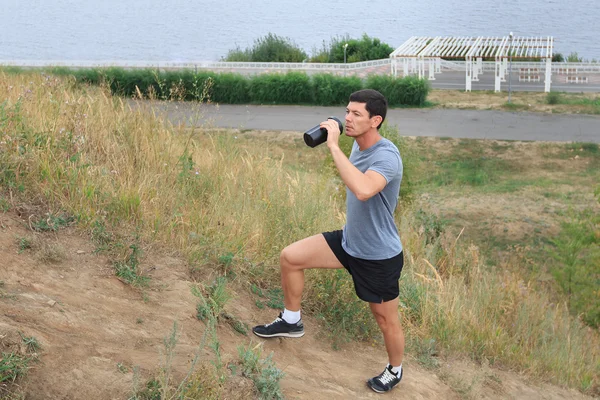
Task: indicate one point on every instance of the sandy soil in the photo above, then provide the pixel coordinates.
(94, 329)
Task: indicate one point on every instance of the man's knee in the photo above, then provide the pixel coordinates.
(286, 258)
(380, 320)
(387, 321)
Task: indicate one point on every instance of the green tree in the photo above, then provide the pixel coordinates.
(574, 57)
(269, 48)
(363, 49)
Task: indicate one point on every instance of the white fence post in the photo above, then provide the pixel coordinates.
(548, 79)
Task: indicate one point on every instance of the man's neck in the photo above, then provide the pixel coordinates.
(368, 139)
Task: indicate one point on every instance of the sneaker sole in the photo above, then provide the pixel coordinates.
(292, 334)
(369, 384)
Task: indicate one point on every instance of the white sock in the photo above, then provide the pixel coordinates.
(397, 370)
(291, 317)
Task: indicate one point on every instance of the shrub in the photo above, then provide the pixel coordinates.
(553, 98)
(230, 88)
(331, 90)
(270, 48)
(409, 90)
(211, 304)
(291, 88)
(574, 57)
(263, 372)
(363, 49)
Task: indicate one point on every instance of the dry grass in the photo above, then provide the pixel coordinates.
(202, 194)
(88, 153)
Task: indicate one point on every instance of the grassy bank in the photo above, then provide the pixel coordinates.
(554, 102)
(230, 204)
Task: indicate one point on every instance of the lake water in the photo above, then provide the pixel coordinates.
(204, 30)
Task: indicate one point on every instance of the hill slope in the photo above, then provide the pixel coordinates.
(94, 329)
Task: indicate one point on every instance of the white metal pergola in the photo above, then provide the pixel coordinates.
(418, 51)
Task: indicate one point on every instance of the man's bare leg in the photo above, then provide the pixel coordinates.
(312, 252)
(388, 320)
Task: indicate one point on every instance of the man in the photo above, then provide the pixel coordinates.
(368, 246)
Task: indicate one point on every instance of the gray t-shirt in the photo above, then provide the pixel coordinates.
(370, 232)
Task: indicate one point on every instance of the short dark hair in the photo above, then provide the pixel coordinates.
(375, 102)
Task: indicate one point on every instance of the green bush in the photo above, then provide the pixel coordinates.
(123, 82)
(331, 90)
(291, 88)
(363, 49)
(263, 372)
(574, 57)
(176, 84)
(231, 88)
(553, 98)
(273, 48)
(409, 90)
(202, 88)
(270, 48)
(11, 70)
(92, 76)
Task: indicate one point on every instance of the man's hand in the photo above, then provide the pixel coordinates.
(333, 132)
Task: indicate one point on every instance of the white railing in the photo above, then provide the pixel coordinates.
(196, 64)
(557, 67)
(452, 65)
(561, 70)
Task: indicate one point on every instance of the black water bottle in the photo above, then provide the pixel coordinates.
(317, 135)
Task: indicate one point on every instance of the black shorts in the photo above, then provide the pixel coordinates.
(375, 281)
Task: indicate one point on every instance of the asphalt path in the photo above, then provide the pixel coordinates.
(470, 124)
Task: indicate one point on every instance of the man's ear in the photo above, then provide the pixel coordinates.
(376, 120)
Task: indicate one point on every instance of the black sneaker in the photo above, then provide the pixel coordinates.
(385, 381)
(280, 328)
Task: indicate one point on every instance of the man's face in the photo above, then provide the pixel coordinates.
(357, 119)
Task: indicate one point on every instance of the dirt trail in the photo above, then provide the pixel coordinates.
(94, 329)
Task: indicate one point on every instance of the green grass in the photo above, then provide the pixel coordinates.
(501, 147)
(200, 382)
(587, 105)
(576, 264)
(515, 107)
(508, 185)
(24, 243)
(262, 371)
(4, 204)
(566, 98)
(51, 222)
(12, 70)
(583, 149)
(213, 300)
(129, 269)
(479, 172)
(272, 298)
(15, 364)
